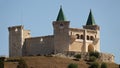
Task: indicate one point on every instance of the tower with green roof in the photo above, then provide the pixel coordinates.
(61, 16)
(90, 24)
(92, 30)
(61, 33)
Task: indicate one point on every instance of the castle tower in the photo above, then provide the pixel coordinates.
(61, 33)
(92, 33)
(91, 23)
(17, 35)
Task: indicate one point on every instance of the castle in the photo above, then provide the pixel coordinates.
(64, 38)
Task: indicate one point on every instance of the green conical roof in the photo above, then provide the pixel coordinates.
(90, 20)
(61, 16)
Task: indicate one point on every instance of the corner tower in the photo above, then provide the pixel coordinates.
(61, 33)
(92, 34)
(17, 35)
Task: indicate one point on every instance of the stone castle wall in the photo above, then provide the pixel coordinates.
(105, 57)
(38, 45)
(76, 46)
(26, 34)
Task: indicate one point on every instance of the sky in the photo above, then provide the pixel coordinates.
(38, 15)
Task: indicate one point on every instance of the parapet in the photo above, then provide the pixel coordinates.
(14, 27)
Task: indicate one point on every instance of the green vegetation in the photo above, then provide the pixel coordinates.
(78, 56)
(22, 64)
(96, 54)
(2, 62)
(92, 58)
(103, 65)
(94, 65)
(72, 65)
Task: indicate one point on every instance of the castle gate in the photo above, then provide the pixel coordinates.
(90, 48)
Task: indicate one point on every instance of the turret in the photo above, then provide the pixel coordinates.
(90, 24)
(17, 35)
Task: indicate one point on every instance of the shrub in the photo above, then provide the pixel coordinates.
(30, 55)
(2, 58)
(94, 65)
(22, 64)
(38, 54)
(12, 60)
(72, 65)
(103, 65)
(92, 58)
(96, 54)
(78, 56)
(2, 62)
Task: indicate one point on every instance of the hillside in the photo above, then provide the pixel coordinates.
(51, 62)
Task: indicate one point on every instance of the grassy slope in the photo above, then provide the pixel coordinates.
(52, 62)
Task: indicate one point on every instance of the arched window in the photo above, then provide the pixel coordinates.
(81, 37)
(91, 38)
(77, 36)
(88, 37)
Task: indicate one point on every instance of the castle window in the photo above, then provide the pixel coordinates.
(77, 36)
(61, 26)
(91, 38)
(81, 37)
(88, 37)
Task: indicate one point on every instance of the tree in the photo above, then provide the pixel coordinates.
(2, 62)
(103, 65)
(72, 65)
(96, 54)
(78, 56)
(94, 65)
(22, 64)
(92, 58)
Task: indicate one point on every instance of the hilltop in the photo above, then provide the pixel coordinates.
(51, 62)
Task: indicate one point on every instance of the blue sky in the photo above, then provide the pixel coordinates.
(37, 16)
